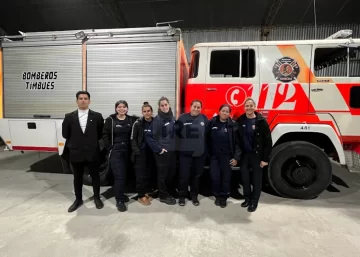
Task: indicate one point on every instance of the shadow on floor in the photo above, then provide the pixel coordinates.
(52, 164)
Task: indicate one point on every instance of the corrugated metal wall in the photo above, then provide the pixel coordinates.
(191, 37)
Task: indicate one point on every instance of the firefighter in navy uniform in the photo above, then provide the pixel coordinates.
(224, 153)
(191, 131)
(142, 156)
(116, 137)
(161, 138)
(256, 146)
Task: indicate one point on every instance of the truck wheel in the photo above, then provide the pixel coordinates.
(299, 170)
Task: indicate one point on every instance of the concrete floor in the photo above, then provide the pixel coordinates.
(34, 221)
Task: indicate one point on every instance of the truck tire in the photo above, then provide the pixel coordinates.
(299, 170)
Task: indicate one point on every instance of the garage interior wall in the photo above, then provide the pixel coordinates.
(192, 37)
(2, 32)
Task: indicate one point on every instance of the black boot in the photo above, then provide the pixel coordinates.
(195, 200)
(223, 202)
(120, 205)
(217, 201)
(75, 205)
(252, 207)
(246, 203)
(154, 194)
(168, 200)
(98, 203)
(182, 201)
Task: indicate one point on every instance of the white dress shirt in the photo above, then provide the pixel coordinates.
(83, 117)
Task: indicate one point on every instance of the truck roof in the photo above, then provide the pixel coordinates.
(285, 42)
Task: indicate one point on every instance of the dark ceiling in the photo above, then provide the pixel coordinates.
(47, 15)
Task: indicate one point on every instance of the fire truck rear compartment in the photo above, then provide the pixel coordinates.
(41, 80)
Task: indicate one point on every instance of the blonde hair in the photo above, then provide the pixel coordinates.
(249, 99)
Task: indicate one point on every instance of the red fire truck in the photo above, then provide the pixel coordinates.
(308, 90)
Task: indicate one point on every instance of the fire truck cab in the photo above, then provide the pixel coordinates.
(308, 90)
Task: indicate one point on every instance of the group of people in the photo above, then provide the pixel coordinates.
(158, 143)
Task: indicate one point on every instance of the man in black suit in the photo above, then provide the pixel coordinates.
(82, 130)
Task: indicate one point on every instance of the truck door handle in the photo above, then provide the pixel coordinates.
(42, 116)
(211, 89)
(317, 89)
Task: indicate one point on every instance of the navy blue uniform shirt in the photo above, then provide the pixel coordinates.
(146, 126)
(249, 135)
(191, 134)
(220, 139)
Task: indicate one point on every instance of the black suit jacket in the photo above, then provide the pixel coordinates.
(81, 146)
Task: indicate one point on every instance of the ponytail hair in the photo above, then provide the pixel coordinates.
(146, 104)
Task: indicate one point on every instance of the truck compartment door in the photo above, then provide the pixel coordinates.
(33, 135)
(40, 79)
(135, 72)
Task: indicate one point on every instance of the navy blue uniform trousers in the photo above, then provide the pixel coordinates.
(251, 174)
(166, 172)
(119, 164)
(190, 171)
(220, 171)
(145, 172)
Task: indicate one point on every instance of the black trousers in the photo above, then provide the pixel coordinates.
(119, 164)
(166, 171)
(144, 170)
(220, 171)
(191, 169)
(251, 174)
(235, 182)
(78, 170)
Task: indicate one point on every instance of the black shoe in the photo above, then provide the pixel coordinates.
(246, 203)
(217, 201)
(195, 201)
(236, 195)
(252, 207)
(168, 200)
(121, 206)
(155, 194)
(75, 205)
(98, 203)
(182, 201)
(174, 194)
(127, 199)
(223, 202)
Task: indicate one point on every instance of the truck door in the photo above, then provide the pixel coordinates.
(232, 76)
(285, 73)
(335, 87)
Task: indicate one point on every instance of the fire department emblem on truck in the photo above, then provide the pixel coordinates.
(286, 69)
